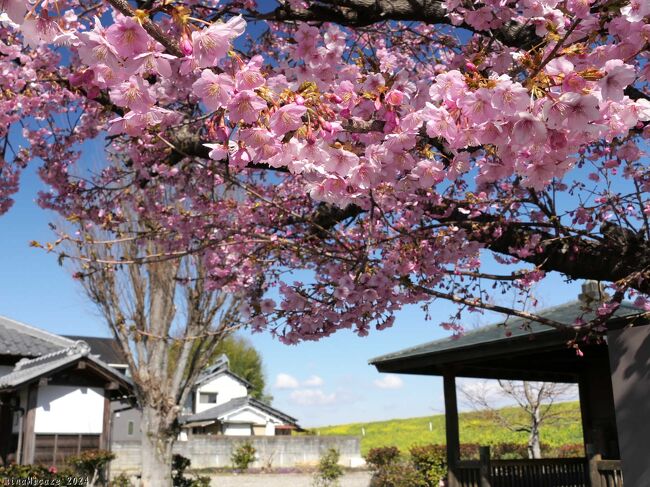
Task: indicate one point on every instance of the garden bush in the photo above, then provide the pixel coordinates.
(569, 451)
(431, 462)
(382, 456)
(91, 464)
(122, 480)
(390, 470)
(329, 471)
(39, 474)
(243, 456)
(397, 474)
(179, 465)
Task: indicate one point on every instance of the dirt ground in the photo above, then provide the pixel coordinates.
(350, 479)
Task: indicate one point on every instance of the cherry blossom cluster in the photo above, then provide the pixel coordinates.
(383, 160)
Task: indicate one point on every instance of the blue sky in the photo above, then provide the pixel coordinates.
(320, 383)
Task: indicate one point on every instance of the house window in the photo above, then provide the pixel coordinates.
(208, 398)
(129, 428)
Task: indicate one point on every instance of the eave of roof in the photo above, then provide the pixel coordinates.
(27, 371)
(218, 412)
(492, 339)
(225, 371)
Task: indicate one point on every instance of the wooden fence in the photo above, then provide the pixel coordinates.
(547, 472)
(52, 450)
(610, 473)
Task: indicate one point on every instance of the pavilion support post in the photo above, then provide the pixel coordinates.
(485, 471)
(594, 474)
(451, 430)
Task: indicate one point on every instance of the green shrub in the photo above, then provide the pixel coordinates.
(179, 465)
(91, 464)
(380, 457)
(53, 475)
(243, 455)
(389, 470)
(122, 480)
(569, 451)
(431, 462)
(329, 471)
(397, 474)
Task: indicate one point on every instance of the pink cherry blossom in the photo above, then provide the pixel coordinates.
(214, 90)
(212, 43)
(287, 118)
(636, 10)
(246, 106)
(15, 9)
(134, 94)
(619, 75)
(127, 36)
(217, 151)
(510, 98)
(528, 130)
(96, 49)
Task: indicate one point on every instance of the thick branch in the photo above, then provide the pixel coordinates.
(620, 255)
(358, 13)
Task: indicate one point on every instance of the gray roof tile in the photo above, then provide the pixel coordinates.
(22, 340)
(518, 327)
(27, 370)
(222, 410)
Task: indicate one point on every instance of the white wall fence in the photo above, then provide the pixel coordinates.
(274, 451)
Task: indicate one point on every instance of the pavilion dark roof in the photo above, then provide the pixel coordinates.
(516, 335)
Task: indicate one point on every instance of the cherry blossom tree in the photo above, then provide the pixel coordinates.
(395, 152)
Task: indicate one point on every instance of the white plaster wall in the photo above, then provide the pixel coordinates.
(248, 416)
(67, 409)
(226, 387)
(237, 430)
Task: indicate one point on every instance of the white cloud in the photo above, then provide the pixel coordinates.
(286, 381)
(390, 381)
(312, 397)
(313, 381)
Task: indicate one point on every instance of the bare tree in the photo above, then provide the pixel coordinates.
(536, 400)
(167, 321)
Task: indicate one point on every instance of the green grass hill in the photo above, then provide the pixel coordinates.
(475, 427)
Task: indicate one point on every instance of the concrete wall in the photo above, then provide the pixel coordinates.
(69, 409)
(629, 351)
(278, 451)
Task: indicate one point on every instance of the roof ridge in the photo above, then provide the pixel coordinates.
(78, 348)
(35, 332)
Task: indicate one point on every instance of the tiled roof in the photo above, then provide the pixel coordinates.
(27, 370)
(220, 367)
(517, 328)
(218, 412)
(22, 340)
(106, 348)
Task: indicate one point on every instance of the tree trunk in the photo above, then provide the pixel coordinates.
(534, 447)
(157, 443)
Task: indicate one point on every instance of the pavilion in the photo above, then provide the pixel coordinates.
(614, 383)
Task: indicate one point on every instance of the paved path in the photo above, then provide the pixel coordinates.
(352, 479)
